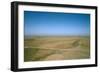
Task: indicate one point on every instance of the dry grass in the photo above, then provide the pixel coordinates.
(63, 48)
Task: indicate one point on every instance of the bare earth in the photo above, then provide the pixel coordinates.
(56, 48)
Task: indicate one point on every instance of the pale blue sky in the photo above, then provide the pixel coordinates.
(56, 24)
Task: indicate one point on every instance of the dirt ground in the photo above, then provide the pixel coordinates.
(56, 48)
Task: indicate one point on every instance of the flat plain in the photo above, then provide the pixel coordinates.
(46, 48)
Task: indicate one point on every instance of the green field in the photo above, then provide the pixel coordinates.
(46, 48)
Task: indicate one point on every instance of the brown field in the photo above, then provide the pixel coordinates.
(56, 48)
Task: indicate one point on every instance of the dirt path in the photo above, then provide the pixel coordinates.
(71, 53)
(55, 57)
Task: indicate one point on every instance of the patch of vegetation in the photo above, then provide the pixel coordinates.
(75, 43)
(29, 53)
(36, 54)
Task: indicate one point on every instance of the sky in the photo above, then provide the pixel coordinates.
(56, 24)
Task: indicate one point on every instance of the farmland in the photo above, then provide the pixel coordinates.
(44, 48)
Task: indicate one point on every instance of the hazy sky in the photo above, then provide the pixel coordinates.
(56, 24)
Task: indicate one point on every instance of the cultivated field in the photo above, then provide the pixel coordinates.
(46, 48)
